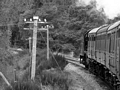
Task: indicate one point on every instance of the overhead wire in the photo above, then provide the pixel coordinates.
(46, 44)
(11, 24)
(43, 39)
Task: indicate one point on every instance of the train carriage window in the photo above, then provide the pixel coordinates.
(114, 42)
(91, 41)
(104, 42)
(108, 43)
(88, 42)
(111, 43)
(102, 45)
(99, 42)
(96, 43)
(118, 33)
(110, 47)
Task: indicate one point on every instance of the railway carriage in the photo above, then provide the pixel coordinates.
(114, 48)
(101, 53)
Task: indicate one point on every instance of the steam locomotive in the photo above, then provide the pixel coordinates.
(101, 53)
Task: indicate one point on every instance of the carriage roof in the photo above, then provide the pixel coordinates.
(94, 31)
(114, 25)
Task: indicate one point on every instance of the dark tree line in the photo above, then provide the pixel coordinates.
(70, 21)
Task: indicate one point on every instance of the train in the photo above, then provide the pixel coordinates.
(100, 53)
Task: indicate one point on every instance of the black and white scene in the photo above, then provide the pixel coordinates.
(59, 44)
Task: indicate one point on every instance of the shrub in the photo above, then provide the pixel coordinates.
(29, 85)
(67, 48)
(55, 77)
(59, 61)
(76, 53)
(55, 61)
(6, 56)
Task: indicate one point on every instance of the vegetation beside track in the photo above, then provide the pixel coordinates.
(48, 72)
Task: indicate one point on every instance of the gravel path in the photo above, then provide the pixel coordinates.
(83, 80)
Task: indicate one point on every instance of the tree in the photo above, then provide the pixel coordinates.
(69, 21)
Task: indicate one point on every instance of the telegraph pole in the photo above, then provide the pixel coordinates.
(30, 53)
(47, 43)
(34, 47)
(35, 28)
(35, 22)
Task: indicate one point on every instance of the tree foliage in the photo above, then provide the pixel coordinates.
(70, 21)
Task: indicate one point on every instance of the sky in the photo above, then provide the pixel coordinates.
(111, 7)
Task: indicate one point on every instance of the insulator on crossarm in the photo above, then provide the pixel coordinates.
(30, 19)
(39, 20)
(47, 26)
(25, 19)
(45, 20)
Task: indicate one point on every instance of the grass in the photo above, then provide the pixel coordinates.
(56, 61)
(29, 85)
(55, 78)
(44, 73)
(50, 72)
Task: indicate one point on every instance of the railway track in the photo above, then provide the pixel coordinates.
(69, 58)
(76, 62)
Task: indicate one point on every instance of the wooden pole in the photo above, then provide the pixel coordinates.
(34, 43)
(47, 44)
(34, 49)
(30, 45)
(30, 56)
